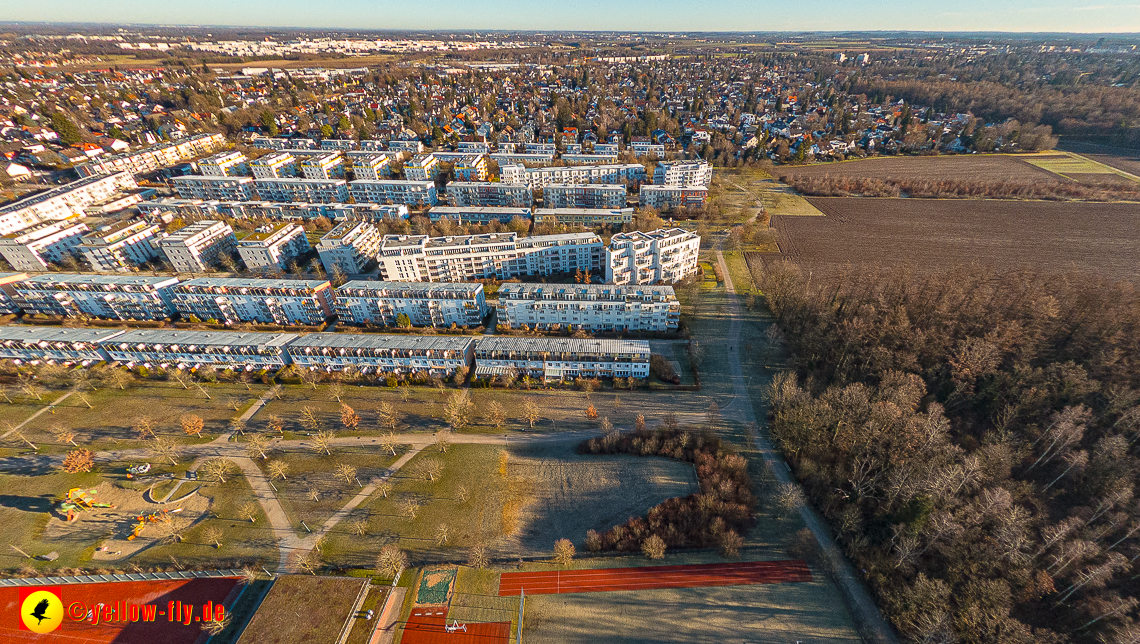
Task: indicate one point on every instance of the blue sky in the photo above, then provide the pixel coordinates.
(644, 15)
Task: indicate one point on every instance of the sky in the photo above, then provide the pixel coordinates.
(1087, 16)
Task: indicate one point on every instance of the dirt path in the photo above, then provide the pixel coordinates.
(859, 601)
(36, 415)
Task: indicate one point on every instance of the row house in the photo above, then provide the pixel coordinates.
(594, 307)
(561, 358)
(477, 214)
(424, 303)
(191, 349)
(35, 344)
(113, 297)
(8, 281)
(282, 143)
(241, 300)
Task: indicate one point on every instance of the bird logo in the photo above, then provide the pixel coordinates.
(41, 609)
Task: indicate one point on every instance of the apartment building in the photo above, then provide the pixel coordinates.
(302, 190)
(585, 195)
(278, 165)
(422, 167)
(594, 307)
(323, 167)
(349, 247)
(273, 246)
(669, 197)
(199, 245)
(583, 216)
(224, 164)
(476, 147)
(338, 144)
(187, 349)
(561, 358)
(512, 173)
(373, 167)
(418, 193)
(477, 214)
(589, 159)
(121, 246)
(281, 143)
(194, 208)
(436, 355)
(8, 283)
(153, 158)
(34, 248)
(665, 255)
(419, 258)
(643, 147)
(503, 195)
(214, 188)
(683, 174)
(35, 344)
(114, 297)
(266, 301)
(424, 303)
(608, 149)
(413, 146)
(537, 158)
(615, 173)
(472, 167)
(62, 202)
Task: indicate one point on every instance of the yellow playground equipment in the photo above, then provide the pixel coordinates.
(81, 500)
(153, 517)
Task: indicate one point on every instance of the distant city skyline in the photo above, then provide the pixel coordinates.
(1078, 16)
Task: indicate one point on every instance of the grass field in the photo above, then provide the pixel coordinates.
(744, 186)
(1077, 167)
(932, 235)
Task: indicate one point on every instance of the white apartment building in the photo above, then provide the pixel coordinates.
(506, 195)
(583, 216)
(477, 147)
(594, 307)
(372, 167)
(616, 173)
(199, 245)
(512, 173)
(224, 164)
(121, 246)
(34, 344)
(425, 303)
(589, 159)
(323, 167)
(665, 255)
(155, 157)
(583, 195)
(32, 249)
(302, 190)
(280, 143)
(186, 349)
(273, 246)
(561, 358)
(349, 247)
(278, 165)
(608, 149)
(195, 208)
(114, 297)
(647, 148)
(8, 281)
(266, 301)
(539, 148)
(536, 158)
(62, 202)
(414, 146)
(436, 355)
(422, 167)
(669, 197)
(338, 144)
(684, 174)
(477, 214)
(214, 188)
(419, 193)
(419, 258)
(471, 167)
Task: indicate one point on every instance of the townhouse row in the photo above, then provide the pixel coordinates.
(439, 356)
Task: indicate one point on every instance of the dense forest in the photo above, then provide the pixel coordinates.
(971, 437)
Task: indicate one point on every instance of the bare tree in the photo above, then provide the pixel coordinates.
(248, 511)
(218, 469)
(79, 460)
(358, 527)
(459, 410)
(19, 435)
(322, 442)
(477, 557)
(408, 507)
(336, 392)
(563, 552)
(789, 499)
(144, 427)
(531, 412)
(653, 547)
(443, 441)
(730, 544)
(275, 424)
(388, 443)
(118, 378)
(442, 533)
(430, 468)
(384, 488)
(389, 417)
(64, 435)
(213, 534)
(310, 377)
(311, 419)
(391, 561)
(496, 415)
(346, 472)
(405, 392)
(278, 469)
(165, 447)
(256, 444)
(237, 426)
(180, 377)
(309, 561)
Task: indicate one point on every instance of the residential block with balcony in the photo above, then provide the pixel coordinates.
(267, 301)
(273, 246)
(121, 246)
(590, 195)
(349, 247)
(199, 245)
(34, 248)
(278, 165)
(323, 167)
(561, 358)
(594, 307)
(224, 164)
(114, 297)
(424, 303)
(503, 195)
(665, 255)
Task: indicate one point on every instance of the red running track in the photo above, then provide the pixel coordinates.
(427, 625)
(651, 577)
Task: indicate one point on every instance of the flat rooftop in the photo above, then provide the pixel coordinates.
(380, 341)
(65, 279)
(586, 291)
(21, 333)
(561, 345)
(204, 338)
(245, 282)
(411, 289)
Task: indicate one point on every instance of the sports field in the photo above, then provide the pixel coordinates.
(557, 582)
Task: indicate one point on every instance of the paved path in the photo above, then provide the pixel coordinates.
(864, 611)
(389, 619)
(50, 406)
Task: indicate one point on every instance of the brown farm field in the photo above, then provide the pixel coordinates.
(973, 167)
(934, 235)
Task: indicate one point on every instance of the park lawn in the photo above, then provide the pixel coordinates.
(311, 471)
(26, 505)
(738, 271)
(243, 542)
(1068, 163)
(107, 423)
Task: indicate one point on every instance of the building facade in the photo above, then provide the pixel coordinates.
(424, 303)
(561, 358)
(273, 246)
(349, 247)
(501, 195)
(199, 245)
(153, 158)
(373, 167)
(418, 258)
(477, 214)
(63, 202)
(114, 297)
(121, 246)
(302, 190)
(35, 344)
(279, 165)
(186, 349)
(267, 301)
(418, 193)
(34, 248)
(665, 255)
(422, 167)
(594, 307)
(323, 167)
(684, 174)
(616, 173)
(224, 164)
(436, 355)
(589, 195)
(583, 216)
(220, 188)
